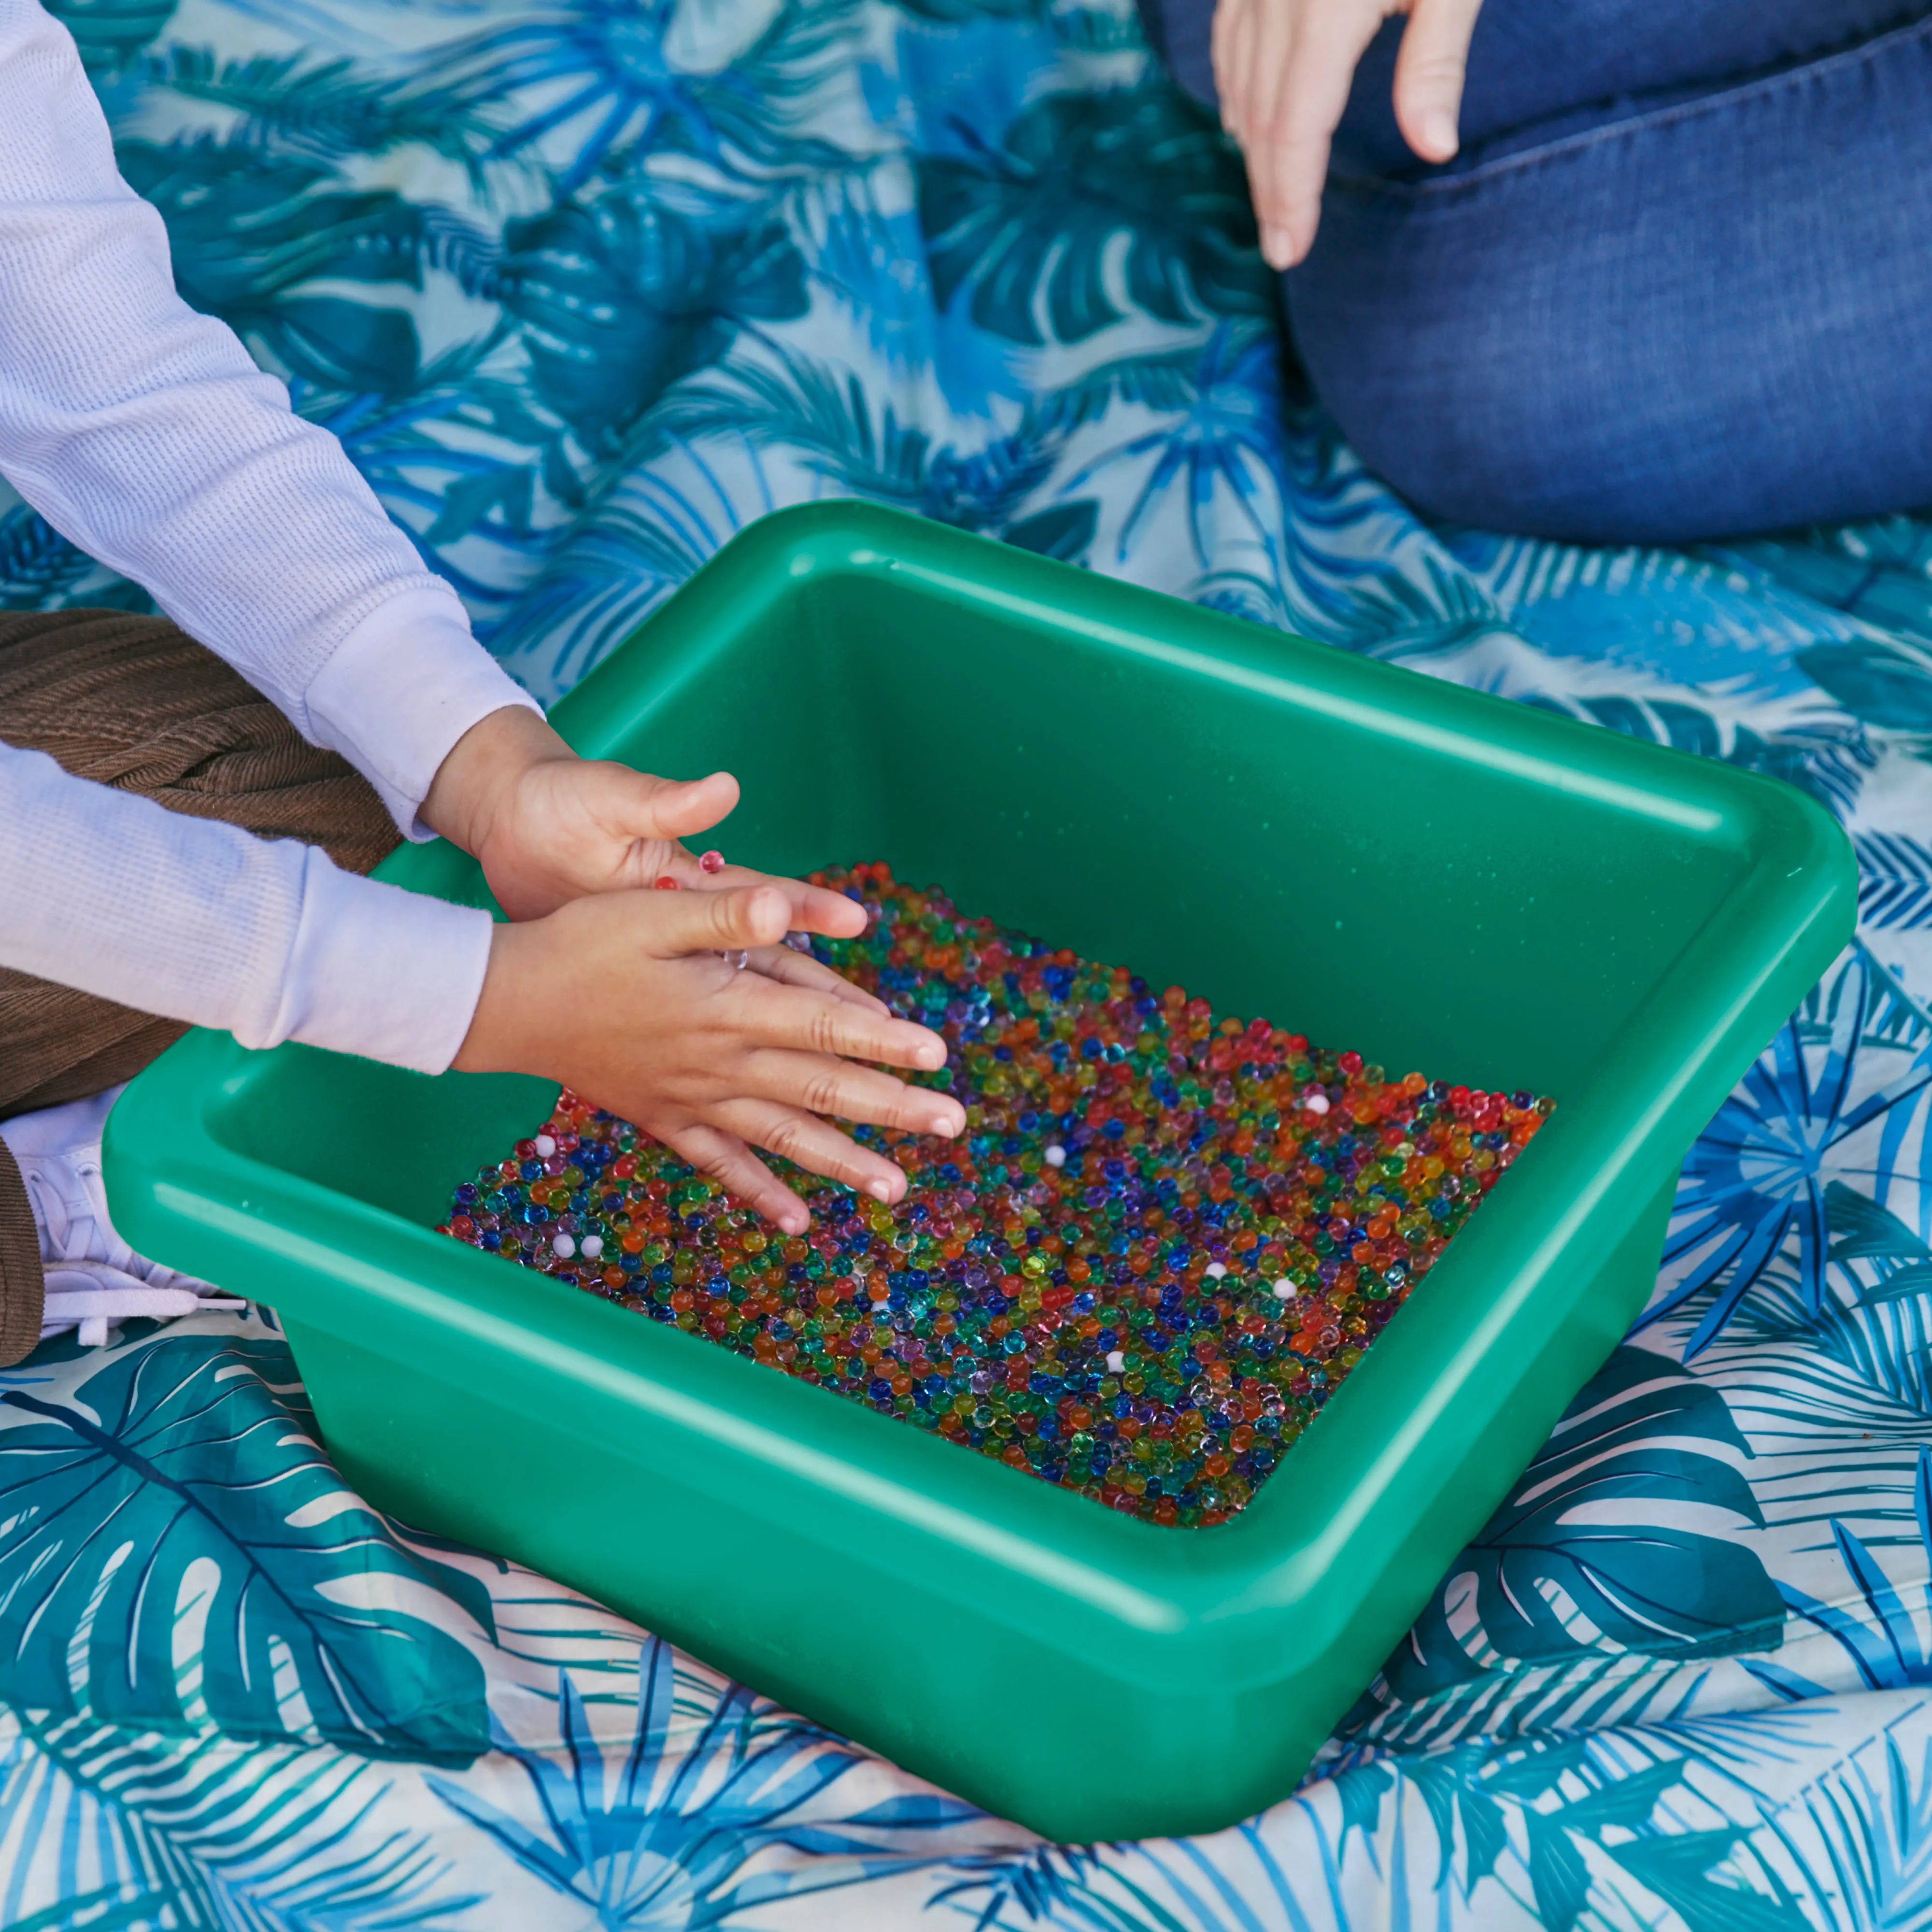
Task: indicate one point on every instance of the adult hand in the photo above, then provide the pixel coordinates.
(622, 996)
(1283, 69)
(549, 826)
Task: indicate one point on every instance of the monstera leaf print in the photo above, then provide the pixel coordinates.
(174, 1489)
(681, 1836)
(110, 33)
(1881, 684)
(621, 296)
(1028, 230)
(249, 232)
(1589, 1533)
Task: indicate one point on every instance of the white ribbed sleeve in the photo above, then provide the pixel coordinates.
(143, 432)
(198, 921)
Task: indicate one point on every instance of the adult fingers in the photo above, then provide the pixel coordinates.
(730, 1162)
(1430, 67)
(1288, 157)
(800, 969)
(1226, 36)
(809, 1142)
(805, 1020)
(1261, 55)
(847, 1091)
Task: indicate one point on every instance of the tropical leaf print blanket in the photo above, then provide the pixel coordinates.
(584, 287)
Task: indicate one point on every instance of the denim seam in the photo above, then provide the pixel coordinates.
(1656, 118)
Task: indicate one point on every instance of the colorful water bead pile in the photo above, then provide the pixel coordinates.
(1163, 1243)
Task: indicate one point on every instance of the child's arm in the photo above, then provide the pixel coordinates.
(143, 432)
(200, 922)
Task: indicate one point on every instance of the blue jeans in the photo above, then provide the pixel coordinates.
(1677, 285)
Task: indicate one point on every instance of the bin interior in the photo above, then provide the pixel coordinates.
(1384, 882)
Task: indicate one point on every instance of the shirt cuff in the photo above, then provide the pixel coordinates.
(400, 689)
(376, 970)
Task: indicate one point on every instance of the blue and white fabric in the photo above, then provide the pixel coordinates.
(585, 286)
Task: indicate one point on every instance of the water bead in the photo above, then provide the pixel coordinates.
(1163, 1243)
(711, 861)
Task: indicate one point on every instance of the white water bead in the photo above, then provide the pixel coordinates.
(563, 1247)
(1316, 1103)
(1284, 1289)
(1117, 1362)
(1216, 1269)
(546, 1147)
(593, 1245)
(1056, 1156)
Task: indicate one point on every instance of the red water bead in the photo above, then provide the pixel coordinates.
(711, 861)
(667, 883)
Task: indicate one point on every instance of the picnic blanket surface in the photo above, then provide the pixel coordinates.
(585, 286)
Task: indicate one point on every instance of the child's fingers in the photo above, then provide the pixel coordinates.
(813, 908)
(790, 1016)
(800, 969)
(653, 808)
(809, 1142)
(847, 1091)
(735, 1167)
(741, 919)
(830, 912)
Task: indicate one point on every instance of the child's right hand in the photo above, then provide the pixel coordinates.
(622, 996)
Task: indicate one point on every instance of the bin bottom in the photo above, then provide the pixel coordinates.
(1072, 1752)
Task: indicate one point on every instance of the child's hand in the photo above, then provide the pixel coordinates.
(549, 826)
(1283, 69)
(622, 997)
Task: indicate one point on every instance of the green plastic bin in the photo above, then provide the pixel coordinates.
(1442, 880)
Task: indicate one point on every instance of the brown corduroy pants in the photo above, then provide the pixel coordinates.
(136, 704)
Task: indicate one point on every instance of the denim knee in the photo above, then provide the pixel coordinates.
(1687, 323)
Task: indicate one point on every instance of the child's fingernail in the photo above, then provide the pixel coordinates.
(1438, 130)
(1278, 246)
(932, 1057)
(880, 1190)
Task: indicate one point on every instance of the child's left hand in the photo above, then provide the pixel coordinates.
(549, 826)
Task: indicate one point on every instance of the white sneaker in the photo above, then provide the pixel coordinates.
(93, 1277)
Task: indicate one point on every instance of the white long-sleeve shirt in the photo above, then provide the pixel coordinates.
(144, 433)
